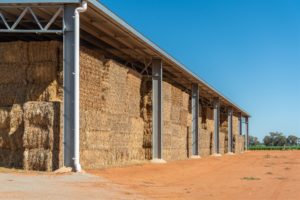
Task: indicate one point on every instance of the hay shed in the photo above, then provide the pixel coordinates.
(100, 94)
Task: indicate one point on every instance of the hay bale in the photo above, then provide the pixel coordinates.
(36, 137)
(43, 133)
(4, 139)
(13, 52)
(13, 73)
(205, 142)
(39, 113)
(4, 117)
(12, 128)
(47, 51)
(38, 159)
(9, 158)
(16, 118)
(12, 94)
(16, 139)
(222, 142)
(42, 92)
(41, 72)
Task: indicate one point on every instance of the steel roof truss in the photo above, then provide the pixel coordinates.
(41, 29)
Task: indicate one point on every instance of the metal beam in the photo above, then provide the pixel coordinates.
(240, 125)
(247, 133)
(216, 126)
(230, 130)
(69, 86)
(195, 119)
(157, 94)
(26, 28)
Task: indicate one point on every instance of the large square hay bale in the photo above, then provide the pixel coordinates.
(12, 94)
(43, 51)
(38, 159)
(13, 73)
(44, 72)
(14, 52)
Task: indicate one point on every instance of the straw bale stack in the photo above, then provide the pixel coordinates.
(14, 52)
(42, 135)
(11, 132)
(177, 137)
(238, 143)
(146, 114)
(210, 124)
(205, 142)
(41, 72)
(112, 126)
(222, 142)
(43, 52)
(235, 125)
(30, 124)
(13, 73)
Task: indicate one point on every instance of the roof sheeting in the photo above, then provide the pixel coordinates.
(161, 52)
(91, 23)
(38, 1)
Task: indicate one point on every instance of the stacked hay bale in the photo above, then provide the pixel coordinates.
(235, 124)
(223, 133)
(205, 142)
(177, 122)
(223, 144)
(206, 131)
(238, 140)
(41, 137)
(28, 85)
(146, 113)
(11, 136)
(112, 129)
(239, 144)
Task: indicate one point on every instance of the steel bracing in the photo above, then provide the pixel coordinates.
(43, 25)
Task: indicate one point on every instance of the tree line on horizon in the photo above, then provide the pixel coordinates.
(275, 139)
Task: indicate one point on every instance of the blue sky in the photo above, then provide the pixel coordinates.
(247, 49)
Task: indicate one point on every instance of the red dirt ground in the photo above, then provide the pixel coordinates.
(252, 175)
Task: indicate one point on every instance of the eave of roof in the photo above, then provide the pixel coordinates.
(37, 1)
(138, 36)
(161, 52)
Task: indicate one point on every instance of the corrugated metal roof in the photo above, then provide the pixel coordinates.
(38, 1)
(116, 21)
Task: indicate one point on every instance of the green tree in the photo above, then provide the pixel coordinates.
(268, 140)
(253, 141)
(292, 140)
(280, 140)
(275, 139)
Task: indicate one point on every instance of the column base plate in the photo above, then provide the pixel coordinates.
(195, 157)
(158, 161)
(216, 155)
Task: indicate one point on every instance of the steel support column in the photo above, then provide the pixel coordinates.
(216, 127)
(230, 133)
(157, 101)
(69, 86)
(247, 133)
(195, 120)
(240, 125)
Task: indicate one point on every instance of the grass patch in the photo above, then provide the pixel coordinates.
(250, 178)
(281, 148)
(281, 178)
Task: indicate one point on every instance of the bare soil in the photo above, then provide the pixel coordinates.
(251, 175)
